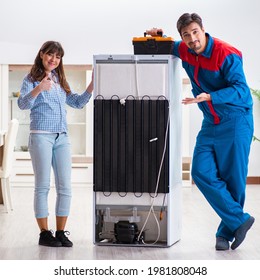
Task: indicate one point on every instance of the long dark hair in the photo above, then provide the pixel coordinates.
(186, 19)
(37, 72)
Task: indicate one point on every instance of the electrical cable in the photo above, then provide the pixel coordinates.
(159, 172)
(156, 190)
(136, 79)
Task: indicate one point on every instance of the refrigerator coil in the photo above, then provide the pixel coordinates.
(129, 140)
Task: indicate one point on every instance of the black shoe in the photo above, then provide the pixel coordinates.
(47, 239)
(222, 244)
(60, 235)
(241, 232)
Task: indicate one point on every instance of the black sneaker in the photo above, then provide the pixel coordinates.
(47, 239)
(241, 232)
(222, 244)
(60, 235)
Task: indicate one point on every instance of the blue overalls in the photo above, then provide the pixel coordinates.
(220, 159)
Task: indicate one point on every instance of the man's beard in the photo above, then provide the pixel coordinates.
(195, 46)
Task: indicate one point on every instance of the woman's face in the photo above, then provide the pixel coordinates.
(50, 61)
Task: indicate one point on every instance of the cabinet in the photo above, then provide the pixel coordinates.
(186, 171)
(79, 125)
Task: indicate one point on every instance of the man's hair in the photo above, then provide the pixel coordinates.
(187, 19)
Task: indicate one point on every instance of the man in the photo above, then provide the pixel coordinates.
(220, 159)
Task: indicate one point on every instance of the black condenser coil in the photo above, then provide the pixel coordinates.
(129, 141)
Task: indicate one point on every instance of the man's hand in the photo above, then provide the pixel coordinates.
(199, 98)
(154, 31)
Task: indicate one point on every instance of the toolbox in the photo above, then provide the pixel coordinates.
(153, 44)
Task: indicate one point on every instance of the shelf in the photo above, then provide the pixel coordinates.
(81, 159)
(77, 123)
(22, 155)
(24, 123)
(80, 165)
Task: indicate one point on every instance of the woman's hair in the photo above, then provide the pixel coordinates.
(37, 72)
(187, 19)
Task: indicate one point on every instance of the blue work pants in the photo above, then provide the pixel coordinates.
(220, 166)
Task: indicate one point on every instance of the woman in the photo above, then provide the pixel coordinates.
(45, 92)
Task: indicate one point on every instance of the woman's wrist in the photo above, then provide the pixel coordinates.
(90, 88)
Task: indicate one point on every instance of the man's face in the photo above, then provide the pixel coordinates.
(194, 37)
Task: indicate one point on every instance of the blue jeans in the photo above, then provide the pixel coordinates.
(51, 151)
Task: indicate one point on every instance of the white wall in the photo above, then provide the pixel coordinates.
(87, 27)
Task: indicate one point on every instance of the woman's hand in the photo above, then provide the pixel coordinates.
(91, 84)
(46, 83)
(199, 98)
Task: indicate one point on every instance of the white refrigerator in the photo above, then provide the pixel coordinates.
(137, 150)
